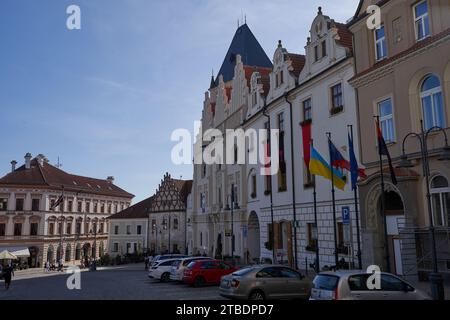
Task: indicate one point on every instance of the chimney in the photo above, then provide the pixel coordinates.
(110, 179)
(41, 158)
(28, 161)
(13, 165)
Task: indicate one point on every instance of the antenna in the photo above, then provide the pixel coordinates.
(59, 164)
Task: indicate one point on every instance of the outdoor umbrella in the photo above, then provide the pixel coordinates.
(6, 255)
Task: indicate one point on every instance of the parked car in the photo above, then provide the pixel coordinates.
(202, 272)
(177, 272)
(166, 257)
(352, 285)
(263, 282)
(160, 270)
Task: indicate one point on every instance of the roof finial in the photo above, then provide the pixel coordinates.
(279, 44)
(320, 11)
(245, 19)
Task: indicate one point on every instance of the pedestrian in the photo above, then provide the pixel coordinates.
(7, 275)
(146, 262)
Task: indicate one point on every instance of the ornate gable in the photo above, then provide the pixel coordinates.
(167, 197)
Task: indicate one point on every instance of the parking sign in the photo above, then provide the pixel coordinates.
(346, 215)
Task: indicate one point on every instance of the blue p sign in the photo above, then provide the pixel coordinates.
(345, 215)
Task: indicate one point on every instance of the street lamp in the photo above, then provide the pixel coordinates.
(235, 206)
(436, 281)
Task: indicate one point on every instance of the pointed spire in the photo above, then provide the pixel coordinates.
(213, 81)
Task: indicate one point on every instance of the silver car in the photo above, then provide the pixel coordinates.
(261, 282)
(353, 285)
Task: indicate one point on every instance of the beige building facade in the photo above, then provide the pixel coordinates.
(403, 76)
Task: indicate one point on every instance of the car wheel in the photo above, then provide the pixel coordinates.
(199, 281)
(256, 295)
(165, 277)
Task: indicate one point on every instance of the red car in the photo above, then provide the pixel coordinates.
(201, 272)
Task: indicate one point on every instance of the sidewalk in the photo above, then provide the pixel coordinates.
(425, 287)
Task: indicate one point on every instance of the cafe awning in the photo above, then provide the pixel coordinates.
(19, 252)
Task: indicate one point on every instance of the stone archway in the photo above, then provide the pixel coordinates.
(253, 238)
(385, 226)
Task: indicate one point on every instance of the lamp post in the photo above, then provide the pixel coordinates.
(436, 281)
(234, 205)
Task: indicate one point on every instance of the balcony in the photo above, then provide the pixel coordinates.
(20, 238)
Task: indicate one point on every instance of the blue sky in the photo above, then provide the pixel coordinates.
(105, 99)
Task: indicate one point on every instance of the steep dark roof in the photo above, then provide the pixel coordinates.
(244, 44)
(138, 211)
(51, 177)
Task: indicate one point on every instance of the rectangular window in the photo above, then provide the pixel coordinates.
(3, 204)
(385, 111)
(19, 204)
(70, 206)
(2, 229)
(51, 229)
(115, 247)
(253, 195)
(61, 206)
(128, 229)
(307, 110)
(153, 225)
(35, 204)
(336, 99)
(128, 248)
(380, 44)
(69, 228)
(139, 230)
(109, 207)
(78, 226)
(116, 229)
(421, 20)
(102, 227)
(281, 121)
(88, 207)
(279, 78)
(17, 229)
(312, 236)
(102, 208)
(60, 228)
(80, 206)
(316, 53)
(324, 48)
(95, 207)
(175, 224)
(33, 229)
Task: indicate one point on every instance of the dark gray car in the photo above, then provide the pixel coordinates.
(263, 282)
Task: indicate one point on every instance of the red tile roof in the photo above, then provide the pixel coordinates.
(416, 46)
(138, 211)
(345, 35)
(51, 177)
(141, 210)
(298, 62)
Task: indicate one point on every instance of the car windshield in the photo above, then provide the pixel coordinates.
(243, 272)
(326, 282)
(191, 265)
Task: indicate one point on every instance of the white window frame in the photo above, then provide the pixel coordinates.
(440, 192)
(387, 118)
(381, 41)
(421, 19)
(431, 93)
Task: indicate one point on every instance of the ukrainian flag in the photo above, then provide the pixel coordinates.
(318, 166)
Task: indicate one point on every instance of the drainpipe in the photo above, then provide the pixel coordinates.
(294, 210)
(271, 194)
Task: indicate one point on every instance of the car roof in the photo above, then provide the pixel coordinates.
(343, 273)
(168, 260)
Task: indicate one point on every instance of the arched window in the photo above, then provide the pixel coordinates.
(432, 102)
(78, 252)
(68, 253)
(440, 201)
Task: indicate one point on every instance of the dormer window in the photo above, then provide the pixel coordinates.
(324, 48)
(279, 78)
(254, 98)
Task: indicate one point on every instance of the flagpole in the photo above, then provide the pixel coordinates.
(317, 264)
(358, 240)
(382, 207)
(336, 256)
